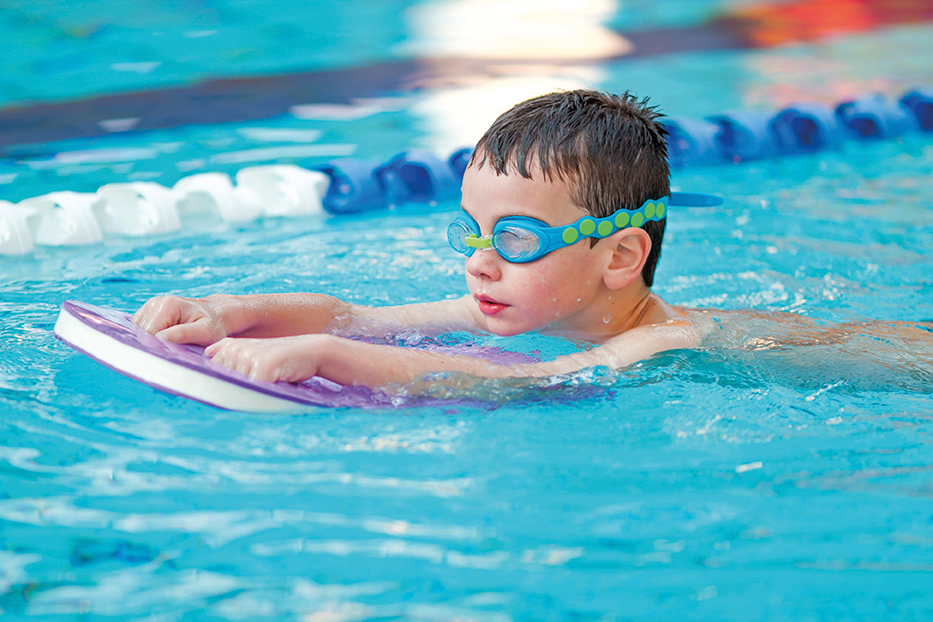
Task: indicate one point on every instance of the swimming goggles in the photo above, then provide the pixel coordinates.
(521, 239)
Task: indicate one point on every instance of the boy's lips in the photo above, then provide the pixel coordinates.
(488, 306)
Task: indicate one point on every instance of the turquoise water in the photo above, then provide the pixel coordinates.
(709, 485)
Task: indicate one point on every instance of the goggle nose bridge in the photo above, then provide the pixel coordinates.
(483, 243)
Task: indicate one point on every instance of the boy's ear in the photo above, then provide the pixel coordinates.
(628, 250)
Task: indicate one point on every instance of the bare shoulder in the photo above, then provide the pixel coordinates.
(749, 328)
(673, 331)
(660, 327)
(677, 329)
(763, 330)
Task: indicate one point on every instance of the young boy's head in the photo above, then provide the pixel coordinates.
(610, 150)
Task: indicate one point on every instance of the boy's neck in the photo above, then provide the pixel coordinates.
(630, 307)
(618, 311)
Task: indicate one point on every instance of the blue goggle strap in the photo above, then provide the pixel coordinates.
(590, 227)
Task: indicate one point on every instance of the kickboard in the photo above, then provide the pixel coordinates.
(112, 339)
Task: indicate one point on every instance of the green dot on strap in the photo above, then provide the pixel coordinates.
(661, 209)
(638, 220)
(621, 219)
(605, 228)
(649, 211)
(570, 235)
(587, 227)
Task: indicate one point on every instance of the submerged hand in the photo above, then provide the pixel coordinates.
(183, 320)
(283, 359)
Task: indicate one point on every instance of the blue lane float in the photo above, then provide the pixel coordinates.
(691, 141)
(459, 160)
(737, 136)
(417, 177)
(920, 103)
(806, 128)
(352, 186)
(409, 177)
(872, 117)
(744, 135)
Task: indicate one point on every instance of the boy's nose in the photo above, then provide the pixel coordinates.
(484, 264)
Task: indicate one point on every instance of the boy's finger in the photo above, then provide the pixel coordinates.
(198, 333)
(143, 316)
(158, 314)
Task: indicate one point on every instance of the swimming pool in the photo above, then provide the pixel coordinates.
(698, 485)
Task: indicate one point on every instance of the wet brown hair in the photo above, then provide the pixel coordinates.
(610, 149)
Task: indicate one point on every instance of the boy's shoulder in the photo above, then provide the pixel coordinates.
(674, 332)
(661, 328)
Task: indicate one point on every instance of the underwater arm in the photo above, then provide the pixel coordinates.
(350, 362)
(342, 360)
(623, 350)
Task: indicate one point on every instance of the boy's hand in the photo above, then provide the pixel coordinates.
(183, 320)
(283, 359)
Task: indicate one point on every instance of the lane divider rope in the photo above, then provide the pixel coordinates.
(350, 186)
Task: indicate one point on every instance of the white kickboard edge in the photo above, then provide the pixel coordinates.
(164, 375)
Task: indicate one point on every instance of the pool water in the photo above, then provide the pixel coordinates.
(711, 484)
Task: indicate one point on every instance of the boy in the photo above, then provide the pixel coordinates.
(556, 158)
(563, 217)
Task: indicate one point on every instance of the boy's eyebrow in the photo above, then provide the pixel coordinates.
(463, 207)
(515, 213)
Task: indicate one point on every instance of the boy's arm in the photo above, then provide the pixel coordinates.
(345, 361)
(204, 321)
(625, 349)
(351, 362)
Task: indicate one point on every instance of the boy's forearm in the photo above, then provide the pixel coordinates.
(283, 315)
(354, 362)
(351, 362)
(278, 315)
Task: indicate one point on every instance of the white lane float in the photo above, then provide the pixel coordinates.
(15, 236)
(285, 189)
(214, 194)
(137, 208)
(64, 218)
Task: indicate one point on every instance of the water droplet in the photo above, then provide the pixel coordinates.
(606, 319)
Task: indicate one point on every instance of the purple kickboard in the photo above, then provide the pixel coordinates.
(313, 392)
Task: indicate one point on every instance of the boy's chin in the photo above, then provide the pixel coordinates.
(506, 331)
